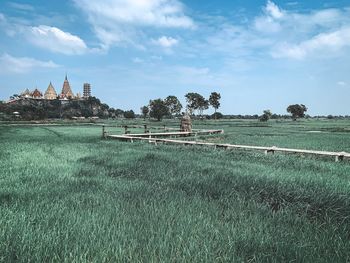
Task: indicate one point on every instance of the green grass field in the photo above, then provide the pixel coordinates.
(66, 195)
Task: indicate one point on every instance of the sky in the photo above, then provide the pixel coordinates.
(257, 54)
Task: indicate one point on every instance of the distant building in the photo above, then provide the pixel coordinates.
(87, 91)
(26, 94)
(50, 93)
(66, 90)
(37, 94)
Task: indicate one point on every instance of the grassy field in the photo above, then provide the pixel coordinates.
(68, 196)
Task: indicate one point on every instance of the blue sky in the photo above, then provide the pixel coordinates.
(258, 54)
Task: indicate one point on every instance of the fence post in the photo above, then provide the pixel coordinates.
(103, 132)
(339, 158)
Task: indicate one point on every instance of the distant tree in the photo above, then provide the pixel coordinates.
(266, 115)
(104, 106)
(191, 99)
(111, 112)
(158, 109)
(119, 113)
(130, 114)
(275, 116)
(214, 101)
(196, 101)
(297, 111)
(93, 100)
(217, 115)
(203, 104)
(173, 104)
(144, 111)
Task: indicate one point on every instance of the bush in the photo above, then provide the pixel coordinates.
(129, 114)
(217, 115)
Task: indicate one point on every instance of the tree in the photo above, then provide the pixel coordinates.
(144, 111)
(173, 104)
(158, 109)
(111, 112)
(119, 113)
(130, 114)
(191, 99)
(196, 101)
(297, 111)
(217, 115)
(203, 104)
(214, 101)
(104, 106)
(266, 115)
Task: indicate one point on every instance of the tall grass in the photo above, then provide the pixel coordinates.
(68, 196)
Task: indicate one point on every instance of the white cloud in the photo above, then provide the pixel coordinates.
(163, 13)
(23, 64)
(267, 25)
(116, 21)
(22, 7)
(341, 83)
(6, 26)
(294, 23)
(292, 3)
(282, 34)
(166, 42)
(46, 37)
(273, 10)
(56, 40)
(137, 60)
(332, 41)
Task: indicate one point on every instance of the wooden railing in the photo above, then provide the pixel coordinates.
(338, 155)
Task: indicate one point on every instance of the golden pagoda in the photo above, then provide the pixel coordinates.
(66, 90)
(50, 93)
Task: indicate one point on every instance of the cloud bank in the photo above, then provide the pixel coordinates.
(12, 64)
(116, 21)
(56, 40)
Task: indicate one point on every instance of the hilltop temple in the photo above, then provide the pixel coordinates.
(66, 90)
(51, 94)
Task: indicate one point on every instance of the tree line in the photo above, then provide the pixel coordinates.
(171, 105)
(296, 110)
(158, 108)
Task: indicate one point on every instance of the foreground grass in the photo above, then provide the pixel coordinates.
(68, 196)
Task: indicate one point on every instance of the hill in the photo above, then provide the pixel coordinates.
(38, 109)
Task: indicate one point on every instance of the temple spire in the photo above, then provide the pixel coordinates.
(66, 90)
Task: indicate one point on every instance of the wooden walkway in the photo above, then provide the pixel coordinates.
(175, 134)
(338, 155)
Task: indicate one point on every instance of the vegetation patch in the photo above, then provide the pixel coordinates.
(75, 197)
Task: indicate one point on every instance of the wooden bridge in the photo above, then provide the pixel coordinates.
(151, 138)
